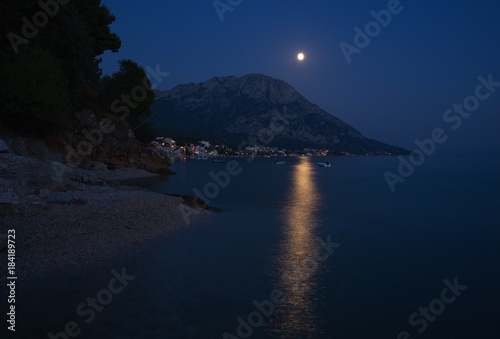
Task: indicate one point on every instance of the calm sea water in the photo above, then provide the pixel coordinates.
(390, 256)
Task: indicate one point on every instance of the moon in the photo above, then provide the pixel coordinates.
(301, 56)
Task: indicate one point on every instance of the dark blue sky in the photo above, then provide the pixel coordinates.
(395, 90)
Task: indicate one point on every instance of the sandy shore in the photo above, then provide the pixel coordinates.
(83, 219)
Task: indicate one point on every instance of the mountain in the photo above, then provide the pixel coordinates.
(256, 109)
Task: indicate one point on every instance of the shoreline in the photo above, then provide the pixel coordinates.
(86, 218)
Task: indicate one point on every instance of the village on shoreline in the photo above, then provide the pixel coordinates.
(203, 150)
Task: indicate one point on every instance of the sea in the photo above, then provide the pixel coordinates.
(303, 251)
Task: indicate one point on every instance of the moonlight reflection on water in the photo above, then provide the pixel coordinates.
(298, 268)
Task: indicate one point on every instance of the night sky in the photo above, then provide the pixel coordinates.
(396, 89)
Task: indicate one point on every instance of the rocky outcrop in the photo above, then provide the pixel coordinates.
(146, 158)
(257, 107)
(119, 148)
(29, 185)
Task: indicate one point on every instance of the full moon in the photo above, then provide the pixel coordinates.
(300, 56)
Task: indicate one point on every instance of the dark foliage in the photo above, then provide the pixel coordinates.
(49, 60)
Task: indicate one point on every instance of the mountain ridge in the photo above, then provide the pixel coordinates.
(257, 107)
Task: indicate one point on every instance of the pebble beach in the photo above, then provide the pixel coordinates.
(67, 223)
